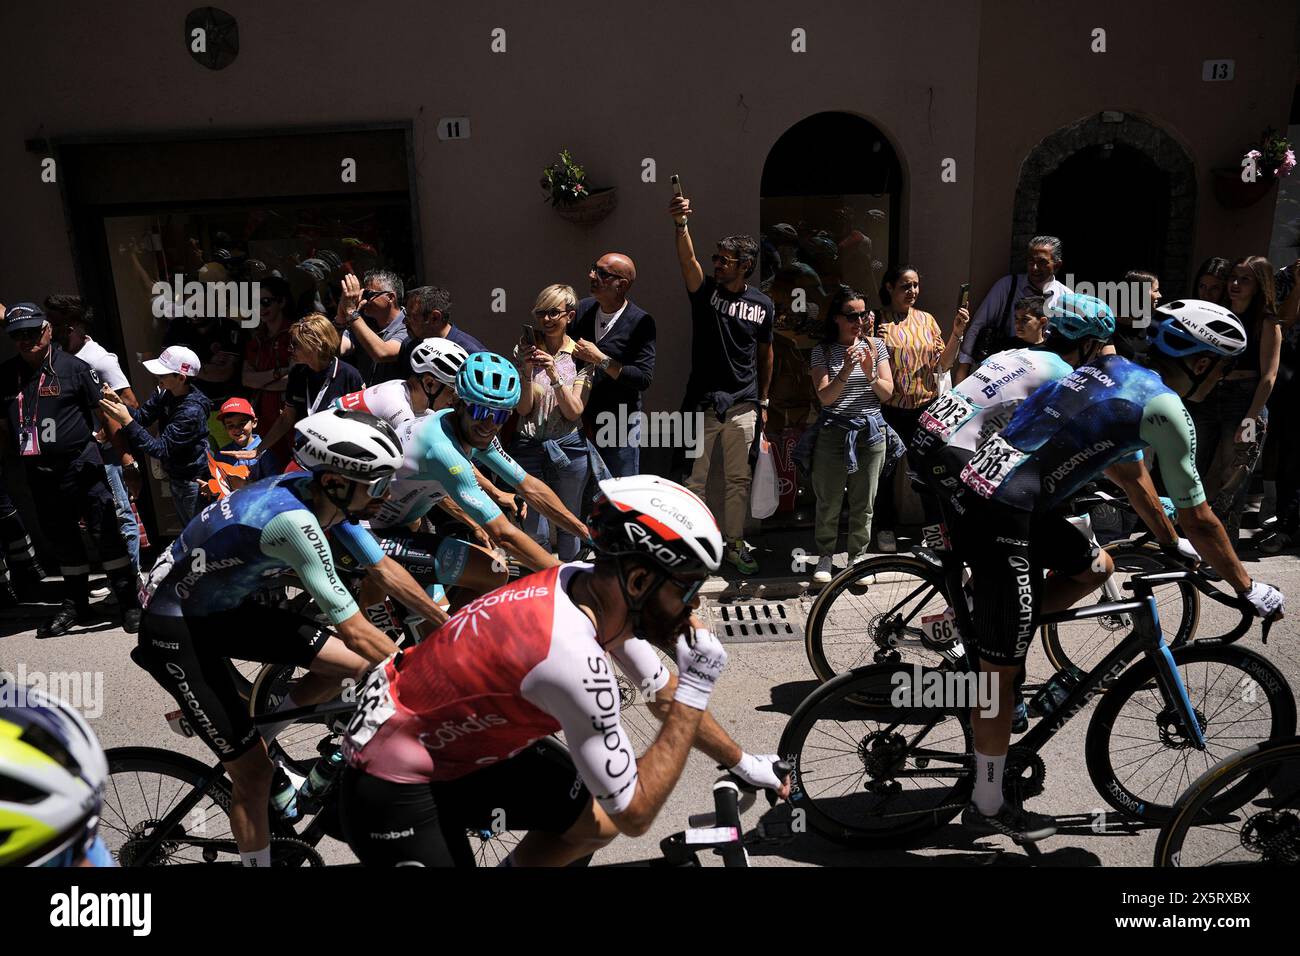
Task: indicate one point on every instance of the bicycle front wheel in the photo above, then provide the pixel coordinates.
(1264, 831)
(866, 773)
(1086, 642)
(144, 785)
(872, 613)
(1140, 757)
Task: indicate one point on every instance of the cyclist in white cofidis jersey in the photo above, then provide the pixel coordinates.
(452, 735)
(1008, 524)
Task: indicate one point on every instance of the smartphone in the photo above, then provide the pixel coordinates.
(677, 191)
(530, 336)
(963, 299)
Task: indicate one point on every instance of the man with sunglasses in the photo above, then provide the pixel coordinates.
(371, 312)
(428, 316)
(198, 610)
(440, 453)
(731, 369)
(455, 732)
(49, 398)
(618, 337)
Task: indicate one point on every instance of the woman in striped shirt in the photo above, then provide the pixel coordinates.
(852, 376)
(919, 355)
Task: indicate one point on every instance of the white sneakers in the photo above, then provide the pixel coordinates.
(823, 572)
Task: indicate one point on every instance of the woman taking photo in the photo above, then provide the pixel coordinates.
(917, 355)
(1231, 420)
(852, 376)
(549, 442)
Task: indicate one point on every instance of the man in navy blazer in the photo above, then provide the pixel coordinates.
(618, 337)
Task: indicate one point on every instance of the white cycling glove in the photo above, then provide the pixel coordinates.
(1264, 598)
(756, 770)
(1188, 550)
(698, 668)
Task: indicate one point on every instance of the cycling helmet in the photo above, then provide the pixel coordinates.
(357, 445)
(1194, 327)
(489, 379)
(657, 519)
(1080, 317)
(52, 777)
(441, 358)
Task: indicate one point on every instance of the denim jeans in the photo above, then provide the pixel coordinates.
(125, 517)
(567, 481)
(185, 498)
(625, 460)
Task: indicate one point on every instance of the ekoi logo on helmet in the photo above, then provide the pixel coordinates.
(642, 538)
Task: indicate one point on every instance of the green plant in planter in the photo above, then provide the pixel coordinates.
(565, 182)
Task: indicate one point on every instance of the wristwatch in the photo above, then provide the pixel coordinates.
(603, 364)
(764, 402)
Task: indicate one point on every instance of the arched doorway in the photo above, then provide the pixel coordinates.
(829, 211)
(1120, 193)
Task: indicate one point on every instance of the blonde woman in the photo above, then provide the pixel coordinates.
(316, 375)
(550, 442)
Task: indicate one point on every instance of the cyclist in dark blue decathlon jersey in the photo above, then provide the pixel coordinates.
(197, 611)
(1009, 524)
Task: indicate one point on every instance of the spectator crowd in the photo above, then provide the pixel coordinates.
(219, 407)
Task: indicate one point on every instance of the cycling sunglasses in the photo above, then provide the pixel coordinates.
(379, 487)
(689, 588)
(478, 412)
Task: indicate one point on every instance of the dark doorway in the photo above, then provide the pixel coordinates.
(1110, 205)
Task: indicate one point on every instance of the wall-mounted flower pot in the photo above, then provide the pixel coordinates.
(592, 209)
(1235, 194)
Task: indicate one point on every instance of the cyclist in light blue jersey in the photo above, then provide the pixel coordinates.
(1009, 525)
(439, 454)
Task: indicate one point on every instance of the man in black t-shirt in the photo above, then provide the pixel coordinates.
(731, 370)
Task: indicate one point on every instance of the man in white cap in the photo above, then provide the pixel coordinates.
(181, 412)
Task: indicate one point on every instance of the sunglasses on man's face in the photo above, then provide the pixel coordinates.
(379, 487)
(723, 260)
(27, 335)
(604, 275)
(369, 294)
(480, 413)
(689, 588)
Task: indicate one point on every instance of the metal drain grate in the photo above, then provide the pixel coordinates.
(757, 621)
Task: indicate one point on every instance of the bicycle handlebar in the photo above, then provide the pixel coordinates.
(1201, 581)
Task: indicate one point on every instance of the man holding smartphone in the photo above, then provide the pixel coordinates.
(731, 369)
(371, 313)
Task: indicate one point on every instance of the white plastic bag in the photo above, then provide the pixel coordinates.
(765, 492)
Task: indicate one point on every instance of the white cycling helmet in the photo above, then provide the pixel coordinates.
(356, 445)
(1194, 326)
(657, 519)
(52, 777)
(441, 358)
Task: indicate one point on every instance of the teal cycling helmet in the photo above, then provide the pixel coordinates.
(489, 379)
(1196, 327)
(1078, 316)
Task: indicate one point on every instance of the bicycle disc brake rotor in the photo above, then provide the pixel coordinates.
(626, 693)
(1024, 776)
(1274, 835)
(882, 753)
(1172, 733)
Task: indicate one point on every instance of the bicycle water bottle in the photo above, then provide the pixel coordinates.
(284, 797)
(1053, 693)
(322, 774)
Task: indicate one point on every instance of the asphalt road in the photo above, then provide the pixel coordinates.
(763, 683)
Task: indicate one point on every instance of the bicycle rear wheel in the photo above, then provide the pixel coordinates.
(144, 785)
(1264, 831)
(1141, 759)
(872, 613)
(867, 773)
(1086, 642)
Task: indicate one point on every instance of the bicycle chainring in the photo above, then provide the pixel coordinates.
(1024, 776)
(286, 851)
(881, 753)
